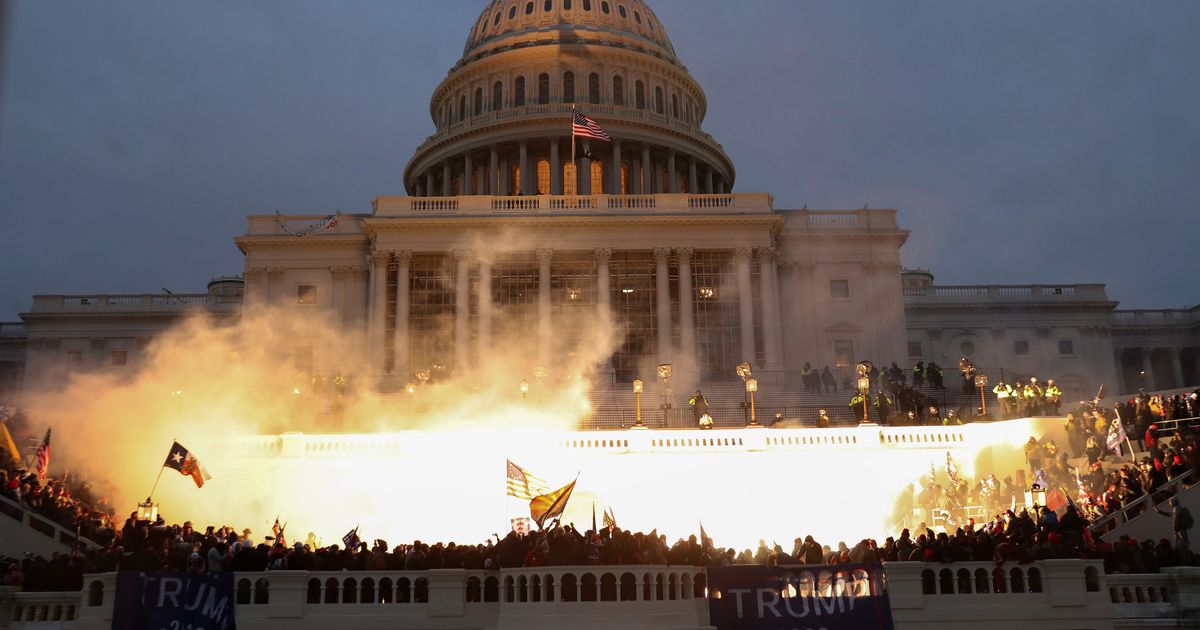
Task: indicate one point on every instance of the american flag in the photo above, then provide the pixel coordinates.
(585, 127)
(277, 530)
(41, 460)
(523, 485)
(351, 538)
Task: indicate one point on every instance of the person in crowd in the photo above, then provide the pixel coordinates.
(1004, 396)
(933, 373)
(1053, 398)
(828, 380)
(918, 374)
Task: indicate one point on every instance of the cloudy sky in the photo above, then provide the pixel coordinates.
(1021, 141)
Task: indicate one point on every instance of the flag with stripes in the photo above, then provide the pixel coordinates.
(41, 460)
(523, 485)
(551, 505)
(951, 469)
(585, 127)
(278, 530)
(351, 538)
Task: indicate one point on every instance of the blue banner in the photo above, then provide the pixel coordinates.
(836, 597)
(174, 601)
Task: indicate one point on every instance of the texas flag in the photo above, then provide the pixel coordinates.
(180, 459)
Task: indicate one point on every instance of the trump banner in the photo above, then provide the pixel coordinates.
(153, 601)
(835, 597)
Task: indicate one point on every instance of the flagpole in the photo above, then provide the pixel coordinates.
(574, 166)
(156, 480)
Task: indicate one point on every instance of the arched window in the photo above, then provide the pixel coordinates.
(519, 92)
(497, 96)
(597, 177)
(512, 12)
(570, 181)
(621, 10)
(587, 5)
(478, 101)
(593, 88)
(604, 6)
(549, 4)
(496, 22)
(568, 87)
(514, 184)
(543, 89)
(658, 100)
(566, 5)
(543, 177)
(675, 105)
(639, 94)
(528, 8)
(637, 17)
(462, 107)
(618, 91)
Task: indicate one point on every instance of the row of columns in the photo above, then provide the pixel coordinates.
(1175, 357)
(645, 174)
(380, 263)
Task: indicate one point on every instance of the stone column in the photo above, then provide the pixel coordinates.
(462, 309)
(615, 170)
(544, 256)
(741, 259)
(523, 150)
(400, 340)
(378, 264)
(419, 188)
(693, 185)
(708, 181)
(502, 179)
(485, 307)
(635, 177)
(429, 183)
(493, 170)
(687, 314)
(468, 175)
(556, 174)
(662, 295)
(447, 179)
(772, 329)
(647, 171)
(672, 177)
(1148, 369)
(583, 176)
(1176, 355)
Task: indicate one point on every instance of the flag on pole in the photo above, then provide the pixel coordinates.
(951, 469)
(6, 439)
(585, 127)
(1116, 435)
(594, 518)
(278, 530)
(351, 539)
(523, 485)
(41, 460)
(547, 506)
(610, 520)
(706, 543)
(182, 460)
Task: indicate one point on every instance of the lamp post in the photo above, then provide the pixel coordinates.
(524, 391)
(637, 392)
(751, 387)
(1035, 496)
(864, 387)
(981, 381)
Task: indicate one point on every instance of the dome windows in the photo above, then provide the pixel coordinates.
(566, 5)
(639, 91)
(587, 5)
(658, 100)
(478, 110)
(543, 89)
(519, 92)
(462, 108)
(637, 17)
(593, 88)
(496, 21)
(621, 10)
(568, 87)
(604, 7)
(528, 8)
(512, 12)
(548, 6)
(618, 91)
(497, 96)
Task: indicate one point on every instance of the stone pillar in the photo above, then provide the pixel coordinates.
(502, 179)
(378, 264)
(647, 171)
(635, 177)
(1176, 355)
(672, 177)
(400, 341)
(741, 259)
(583, 176)
(687, 315)
(523, 150)
(493, 171)
(614, 187)
(468, 175)
(693, 185)
(462, 309)
(1147, 369)
(556, 174)
(772, 329)
(708, 181)
(429, 183)
(662, 294)
(447, 179)
(485, 307)
(545, 330)
(419, 188)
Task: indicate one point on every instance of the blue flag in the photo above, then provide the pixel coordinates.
(150, 601)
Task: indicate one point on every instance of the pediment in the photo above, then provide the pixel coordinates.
(843, 327)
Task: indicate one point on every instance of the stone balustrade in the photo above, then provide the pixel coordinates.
(1044, 595)
(135, 302)
(1007, 293)
(741, 203)
(1156, 317)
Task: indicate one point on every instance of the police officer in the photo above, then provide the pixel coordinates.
(1004, 395)
(859, 405)
(1053, 398)
(918, 373)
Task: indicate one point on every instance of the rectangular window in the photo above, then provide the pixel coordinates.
(74, 358)
(839, 289)
(1021, 348)
(306, 294)
(119, 358)
(843, 353)
(914, 349)
(1066, 347)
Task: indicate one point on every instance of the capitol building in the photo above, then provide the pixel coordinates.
(505, 226)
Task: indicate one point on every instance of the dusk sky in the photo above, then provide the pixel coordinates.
(1021, 141)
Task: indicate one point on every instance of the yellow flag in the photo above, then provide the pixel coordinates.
(548, 506)
(6, 442)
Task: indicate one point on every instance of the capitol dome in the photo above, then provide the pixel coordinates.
(503, 113)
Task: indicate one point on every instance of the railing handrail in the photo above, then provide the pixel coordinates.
(1148, 496)
(60, 532)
